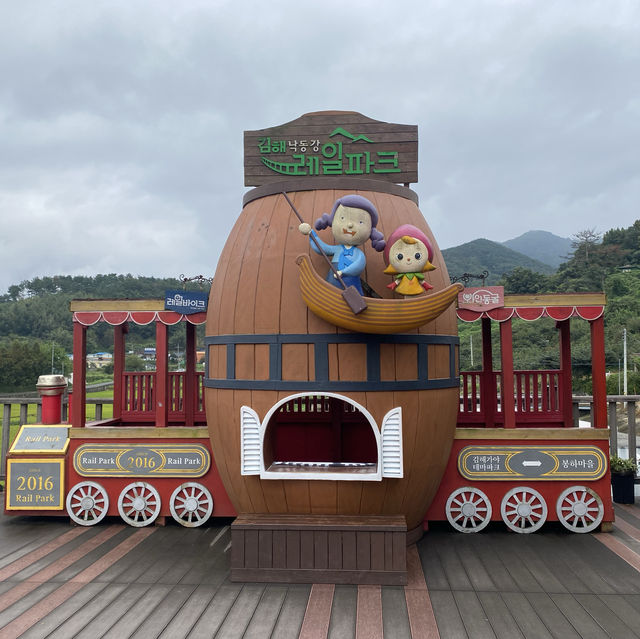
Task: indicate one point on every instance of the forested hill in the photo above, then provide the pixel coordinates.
(542, 246)
(480, 255)
(39, 308)
(35, 317)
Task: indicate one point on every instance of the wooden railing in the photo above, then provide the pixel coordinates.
(138, 390)
(536, 393)
(622, 415)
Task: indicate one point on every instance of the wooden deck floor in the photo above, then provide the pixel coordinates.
(116, 581)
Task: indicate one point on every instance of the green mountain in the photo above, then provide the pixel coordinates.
(542, 246)
(480, 255)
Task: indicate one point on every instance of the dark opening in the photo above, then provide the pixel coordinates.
(320, 431)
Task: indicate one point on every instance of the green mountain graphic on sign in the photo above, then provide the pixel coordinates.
(350, 136)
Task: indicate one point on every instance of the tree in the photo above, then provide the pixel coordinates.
(524, 281)
(24, 360)
(583, 242)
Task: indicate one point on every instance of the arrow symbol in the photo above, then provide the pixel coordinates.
(532, 463)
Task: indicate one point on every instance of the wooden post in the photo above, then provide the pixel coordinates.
(488, 384)
(161, 384)
(598, 374)
(613, 426)
(506, 354)
(631, 421)
(78, 417)
(190, 388)
(566, 384)
(119, 333)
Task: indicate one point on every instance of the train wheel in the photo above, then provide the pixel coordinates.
(523, 509)
(87, 503)
(139, 504)
(468, 510)
(579, 509)
(191, 504)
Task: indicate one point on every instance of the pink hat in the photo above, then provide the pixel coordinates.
(411, 231)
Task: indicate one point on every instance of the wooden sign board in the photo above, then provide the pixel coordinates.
(481, 299)
(330, 144)
(35, 484)
(41, 439)
(557, 463)
(137, 460)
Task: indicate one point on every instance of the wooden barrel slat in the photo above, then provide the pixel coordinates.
(256, 291)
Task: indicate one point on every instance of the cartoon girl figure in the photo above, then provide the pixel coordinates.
(408, 255)
(353, 221)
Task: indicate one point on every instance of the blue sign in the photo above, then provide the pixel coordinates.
(185, 302)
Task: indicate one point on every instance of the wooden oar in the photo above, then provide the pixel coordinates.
(350, 294)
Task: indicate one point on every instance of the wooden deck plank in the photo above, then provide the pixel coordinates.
(239, 616)
(19, 537)
(498, 615)
(609, 568)
(557, 624)
(369, 613)
(45, 627)
(494, 583)
(137, 614)
(580, 619)
(129, 569)
(525, 616)
(343, 612)
(451, 564)
(447, 615)
(491, 557)
(113, 612)
(216, 611)
(210, 555)
(620, 567)
(395, 617)
(35, 551)
(166, 609)
(74, 551)
(473, 615)
(628, 613)
(85, 615)
(528, 576)
(184, 620)
(566, 565)
(605, 617)
(267, 612)
(23, 604)
(292, 612)
(474, 566)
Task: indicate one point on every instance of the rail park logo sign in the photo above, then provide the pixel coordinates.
(332, 144)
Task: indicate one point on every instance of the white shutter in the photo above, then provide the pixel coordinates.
(392, 465)
(250, 445)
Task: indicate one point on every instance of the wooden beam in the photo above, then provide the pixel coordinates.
(488, 380)
(190, 390)
(79, 397)
(507, 390)
(566, 389)
(598, 374)
(119, 333)
(161, 390)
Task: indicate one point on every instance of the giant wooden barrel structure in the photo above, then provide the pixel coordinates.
(286, 389)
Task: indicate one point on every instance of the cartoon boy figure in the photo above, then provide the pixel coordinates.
(353, 221)
(408, 254)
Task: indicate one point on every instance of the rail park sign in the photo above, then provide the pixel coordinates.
(332, 144)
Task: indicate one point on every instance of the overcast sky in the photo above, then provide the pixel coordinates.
(121, 121)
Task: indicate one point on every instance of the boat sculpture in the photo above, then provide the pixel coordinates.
(382, 316)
